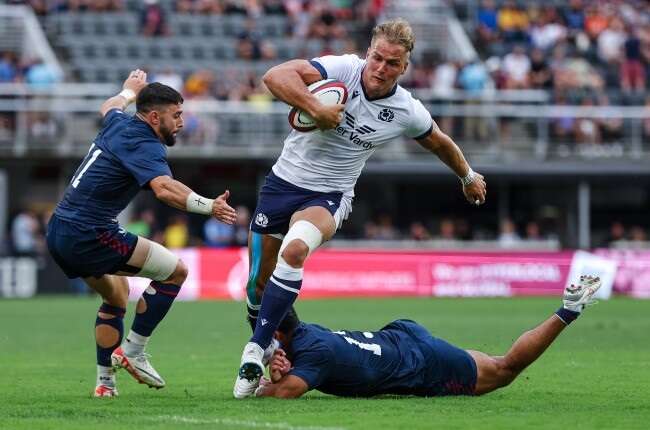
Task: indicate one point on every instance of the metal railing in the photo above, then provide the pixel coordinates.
(62, 123)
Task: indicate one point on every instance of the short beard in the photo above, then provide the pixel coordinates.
(168, 138)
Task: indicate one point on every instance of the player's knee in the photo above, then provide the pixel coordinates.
(118, 294)
(179, 275)
(295, 253)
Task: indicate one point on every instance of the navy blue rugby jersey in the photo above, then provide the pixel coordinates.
(354, 363)
(124, 157)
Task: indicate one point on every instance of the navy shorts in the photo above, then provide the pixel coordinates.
(279, 200)
(84, 251)
(451, 371)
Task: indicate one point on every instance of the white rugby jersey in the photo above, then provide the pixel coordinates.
(332, 160)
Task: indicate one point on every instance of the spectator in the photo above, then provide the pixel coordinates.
(444, 78)
(508, 236)
(487, 23)
(632, 69)
(170, 78)
(177, 234)
(153, 20)
(218, 234)
(548, 31)
(418, 232)
(473, 78)
(638, 234)
(516, 66)
(611, 127)
(595, 21)
(533, 232)
(242, 225)
(541, 76)
(562, 128)
(6, 128)
(611, 41)
(41, 75)
(646, 121)
(574, 17)
(385, 228)
(513, 22)
(326, 26)
(447, 230)
(587, 128)
(616, 232)
(8, 67)
(142, 225)
(274, 7)
(42, 126)
(199, 84)
(24, 234)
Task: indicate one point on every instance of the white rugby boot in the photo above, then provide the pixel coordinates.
(102, 390)
(139, 367)
(577, 297)
(250, 371)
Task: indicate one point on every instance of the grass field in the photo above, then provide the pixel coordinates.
(594, 377)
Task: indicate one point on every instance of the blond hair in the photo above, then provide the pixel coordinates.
(397, 31)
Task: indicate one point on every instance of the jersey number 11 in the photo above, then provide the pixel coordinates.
(88, 161)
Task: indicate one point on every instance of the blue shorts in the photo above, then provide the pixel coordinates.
(279, 200)
(450, 371)
(84, 251)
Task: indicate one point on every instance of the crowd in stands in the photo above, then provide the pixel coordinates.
(584, 45)
(35, 73)
(581, 52)
(26, 231)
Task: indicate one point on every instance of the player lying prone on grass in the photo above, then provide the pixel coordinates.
(403, 358)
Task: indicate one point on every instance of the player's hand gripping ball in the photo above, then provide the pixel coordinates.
(329, 92)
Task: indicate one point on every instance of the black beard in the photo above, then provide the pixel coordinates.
(168, 138)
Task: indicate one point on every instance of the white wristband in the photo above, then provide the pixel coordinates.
(198, 204)
(128, 94)
(469, 178)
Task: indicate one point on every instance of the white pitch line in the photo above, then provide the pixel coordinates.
(239, 423)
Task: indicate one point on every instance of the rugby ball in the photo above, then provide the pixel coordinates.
(329, 92)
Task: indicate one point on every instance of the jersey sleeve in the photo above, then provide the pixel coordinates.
(340, 67)
(145, 160)
(112, 116)
(421, 123)
(313, 365)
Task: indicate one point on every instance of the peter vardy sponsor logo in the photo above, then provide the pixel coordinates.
(355, 135)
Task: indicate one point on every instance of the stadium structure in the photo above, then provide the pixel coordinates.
(549, 102)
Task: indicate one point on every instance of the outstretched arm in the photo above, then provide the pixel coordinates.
(443, 146)
(289, 387)
(180, 196)
(288, 82)
(132, 85)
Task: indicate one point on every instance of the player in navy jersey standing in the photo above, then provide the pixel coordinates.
(403, 358)
(85, 239)
(308, 194)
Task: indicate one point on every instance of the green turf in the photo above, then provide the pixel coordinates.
(594, 377)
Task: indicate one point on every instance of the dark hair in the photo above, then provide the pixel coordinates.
(156, 95)
(290, 322)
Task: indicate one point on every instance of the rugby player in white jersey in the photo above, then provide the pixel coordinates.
(308, 194)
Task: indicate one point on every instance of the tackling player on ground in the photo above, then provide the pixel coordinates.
(308, 194)
(403, 358)
(86, 240)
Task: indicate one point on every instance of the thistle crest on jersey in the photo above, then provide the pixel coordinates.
(386, 115)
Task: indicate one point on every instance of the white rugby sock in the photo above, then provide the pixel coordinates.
(134, 344)
(105, 376)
